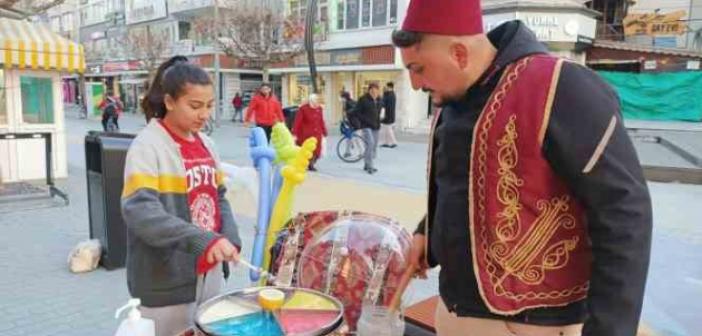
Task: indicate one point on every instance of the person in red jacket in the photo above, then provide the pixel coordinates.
(238, 105)
(309, 123)
(265, 110)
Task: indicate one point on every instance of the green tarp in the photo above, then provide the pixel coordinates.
(658, 96)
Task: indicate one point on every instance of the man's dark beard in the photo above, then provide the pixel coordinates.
(444, 100)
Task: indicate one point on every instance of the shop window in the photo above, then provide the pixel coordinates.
(3, 99)
(37, 100)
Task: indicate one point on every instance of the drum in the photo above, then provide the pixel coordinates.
(304, 312)
(355, 257)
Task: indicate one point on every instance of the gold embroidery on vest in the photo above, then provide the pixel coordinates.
(521, 261)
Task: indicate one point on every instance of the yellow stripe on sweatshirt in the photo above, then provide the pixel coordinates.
(162, 184)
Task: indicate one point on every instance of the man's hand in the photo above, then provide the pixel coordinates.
(417, 259)
(222, 250)
(247, 124)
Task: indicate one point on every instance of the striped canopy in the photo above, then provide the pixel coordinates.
(29, 45)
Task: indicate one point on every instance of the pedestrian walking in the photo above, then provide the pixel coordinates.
(309, 123)
(387, 134)
(265, 110)
(111, 108)
(238, 104)
(367, 112)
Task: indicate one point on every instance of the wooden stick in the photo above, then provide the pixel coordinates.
(404, 282)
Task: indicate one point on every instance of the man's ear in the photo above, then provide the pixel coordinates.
(459, 54)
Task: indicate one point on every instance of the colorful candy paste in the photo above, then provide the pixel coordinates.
(257, 324)
(304, 312)
(307, 300)
(303, 321)
(227, 309)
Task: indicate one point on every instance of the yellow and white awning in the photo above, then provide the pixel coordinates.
(29, 45)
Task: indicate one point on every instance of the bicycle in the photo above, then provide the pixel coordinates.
(351, 146)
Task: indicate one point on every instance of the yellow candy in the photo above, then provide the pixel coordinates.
(271, 299)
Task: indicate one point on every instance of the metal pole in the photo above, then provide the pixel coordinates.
(689, 21)
(83, 103)
(310, 19)
(218, 91)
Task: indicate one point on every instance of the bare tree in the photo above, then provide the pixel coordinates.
(22, 9)
(148, 45)
(259, 34)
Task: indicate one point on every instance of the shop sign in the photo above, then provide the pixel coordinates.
(548, 27)
(145, 10)
(650, 65)
(98, 35)
(347, 57)
(585, 40)
(655, 24)
(121, 66)
(94, 69)
(693, 65)
(185, 5)
(321, 58)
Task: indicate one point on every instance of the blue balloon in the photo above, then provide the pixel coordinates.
(277, 184)
(262, 156)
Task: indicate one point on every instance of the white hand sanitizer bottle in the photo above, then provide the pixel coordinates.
(134, 324)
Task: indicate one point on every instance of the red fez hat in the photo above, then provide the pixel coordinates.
(444, 17)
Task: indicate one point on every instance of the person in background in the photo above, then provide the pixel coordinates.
(238, 105)
(309, 123)
(111, 108)
(181, 233)
(367, 112)
(265, 110)
(387, 135)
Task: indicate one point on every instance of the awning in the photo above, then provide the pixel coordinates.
(29, 45)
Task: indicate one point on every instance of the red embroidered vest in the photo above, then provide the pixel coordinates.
(529, 240)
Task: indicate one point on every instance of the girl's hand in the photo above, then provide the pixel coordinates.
(222, 250)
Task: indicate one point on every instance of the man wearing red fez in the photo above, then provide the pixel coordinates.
(538, 214)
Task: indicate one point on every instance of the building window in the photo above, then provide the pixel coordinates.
(3, 99)
(366, 13)
(37, 100)
(184, 29)
(323, 13)
(340, 15)
(84, 17)
(55, 23)
(393, 11)
(380, 13)
(352, 14)
(68, 22)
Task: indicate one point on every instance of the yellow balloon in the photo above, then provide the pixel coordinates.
(293, 174)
